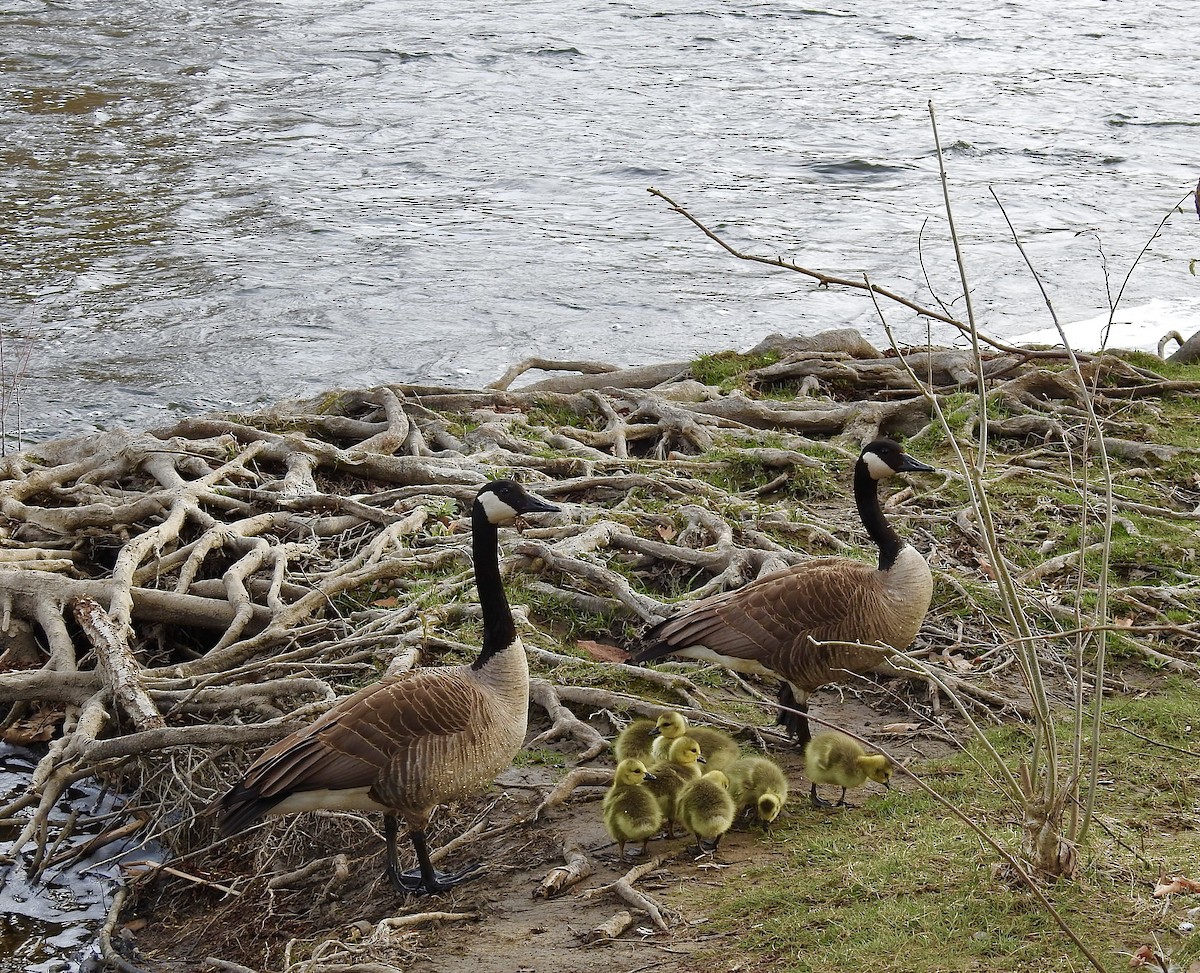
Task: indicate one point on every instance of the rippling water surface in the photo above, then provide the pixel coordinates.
(220, 204)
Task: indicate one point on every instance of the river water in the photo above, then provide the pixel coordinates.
(208, 205)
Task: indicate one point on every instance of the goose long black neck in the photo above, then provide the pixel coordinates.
(866, 496)
(499, 631)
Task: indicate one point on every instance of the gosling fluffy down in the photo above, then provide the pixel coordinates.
(671, 775)
(834, 758)
(758, 786)
(631, 811)
(706, 809)
(719, 748)
(636, 741)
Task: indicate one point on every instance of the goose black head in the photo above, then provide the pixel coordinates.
(884, 458)
(503, 501)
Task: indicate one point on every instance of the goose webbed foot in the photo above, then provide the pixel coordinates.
(416, 882)
(424, 879)
(843, 802)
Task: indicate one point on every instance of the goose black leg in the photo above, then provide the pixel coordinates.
(793, 716)
(821, 802)
(425, 879)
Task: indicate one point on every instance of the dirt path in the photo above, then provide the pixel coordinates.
(510, 929)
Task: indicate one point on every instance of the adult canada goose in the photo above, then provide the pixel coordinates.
(631, 811)
(635, 741)
(758, 785)
(670, 776)
(706, 809)
(415, 740)
(771, 624)
(719, 748)
(834, 758)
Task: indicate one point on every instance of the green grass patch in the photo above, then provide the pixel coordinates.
(727, 369)
(901, 885)
(555, 411)
(1167, 369)
(742, 471)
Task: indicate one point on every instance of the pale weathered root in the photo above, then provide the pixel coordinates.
(564, 722)
(662, 917)
(614, 928)
(117, 665)
(594, 777)
(575, 868)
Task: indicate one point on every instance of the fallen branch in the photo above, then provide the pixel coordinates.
(624, 890)
(560, 878)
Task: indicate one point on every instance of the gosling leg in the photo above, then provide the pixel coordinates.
(819, 801)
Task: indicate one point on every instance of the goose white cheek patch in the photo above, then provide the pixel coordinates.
(878, 469)
(498, 512)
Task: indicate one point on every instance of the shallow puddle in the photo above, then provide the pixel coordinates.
(51, 926)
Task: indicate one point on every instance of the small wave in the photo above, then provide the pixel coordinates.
(857, 169)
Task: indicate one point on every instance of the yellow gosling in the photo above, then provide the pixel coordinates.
(631, 811)
(718, 747)
(758, 786)
(635, 741)
(706, 809)
(834, 758)
(681, 767)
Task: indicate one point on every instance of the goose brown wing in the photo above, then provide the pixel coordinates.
(767, 619)
(350, 744)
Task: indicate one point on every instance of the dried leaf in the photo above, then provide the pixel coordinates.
(955, 663)
(1143, 957)
(900, 729)
(666, 532)
(602, 652)
(39, 727)
(1175, 885)
(391, 602)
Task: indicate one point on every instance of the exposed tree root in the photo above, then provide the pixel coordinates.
(178, 599)
(623, 889)
(577, 867)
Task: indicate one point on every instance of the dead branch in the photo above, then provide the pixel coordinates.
(560, 878)
(624, 890)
